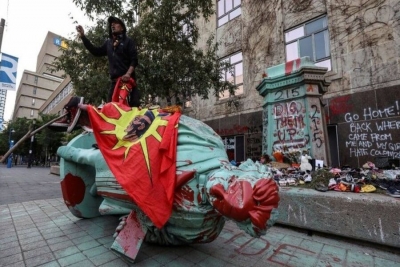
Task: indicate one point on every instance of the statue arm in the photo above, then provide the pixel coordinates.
(80, 155)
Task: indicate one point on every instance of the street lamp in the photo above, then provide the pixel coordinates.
(10, 143)
(30, 146)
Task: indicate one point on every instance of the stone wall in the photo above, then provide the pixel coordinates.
(364, 47)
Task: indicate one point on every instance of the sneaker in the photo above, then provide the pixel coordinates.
(68, 122)
(307, 178)
(321, 187)
(391, 191)
(332, 182)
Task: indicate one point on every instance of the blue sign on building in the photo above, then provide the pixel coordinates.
(8, 72)
(59, 42)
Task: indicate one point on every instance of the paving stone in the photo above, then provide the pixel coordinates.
(118, 263)
(50, 264)
(61, 245)
(33, 239)
(88, 245)
(147, 263)
(75, 242)
(71, 259)
(39, 259)
(165, 257)
(36, 252)
(195, 256)
(33, 245)
(57, 240)
(64, 252)
(84, 263)
(8, 260)
(103, 258)
(212, 261)
(9, 251)
(90, 253)
(17, 264)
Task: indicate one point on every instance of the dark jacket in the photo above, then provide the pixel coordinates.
(121, 57)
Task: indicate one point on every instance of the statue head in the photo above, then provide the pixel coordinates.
(246, 194)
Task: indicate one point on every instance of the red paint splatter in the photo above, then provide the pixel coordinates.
(73, 190)
(184, 194)
(289, 66)
(115, 196)
(183, 177)
(340, 105)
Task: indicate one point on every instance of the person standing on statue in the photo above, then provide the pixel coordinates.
(122, 56)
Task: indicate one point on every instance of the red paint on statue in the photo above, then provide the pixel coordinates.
(183, 177)
(73, 190)
(184, 196)
(236, 202)
(241, 202)
(115, 196)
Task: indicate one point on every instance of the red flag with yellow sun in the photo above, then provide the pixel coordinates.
(139, 147)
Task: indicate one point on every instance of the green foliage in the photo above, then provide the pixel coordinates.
(171, 66)
(46, 142)
(18, 129)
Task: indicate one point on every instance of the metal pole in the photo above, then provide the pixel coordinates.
(11, 144)
(2, 24)
(31, 146)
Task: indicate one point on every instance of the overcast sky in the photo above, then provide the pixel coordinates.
(27, 24)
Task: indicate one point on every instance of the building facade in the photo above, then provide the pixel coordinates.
(359, 44)
(35, 88)
(3, 97)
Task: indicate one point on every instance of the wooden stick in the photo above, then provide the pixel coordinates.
(29, 134)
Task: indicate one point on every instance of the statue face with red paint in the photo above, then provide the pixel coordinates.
(247, 195)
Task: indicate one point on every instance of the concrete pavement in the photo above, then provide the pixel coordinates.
(37, 229)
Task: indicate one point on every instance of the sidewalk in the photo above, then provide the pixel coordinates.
(42, 232)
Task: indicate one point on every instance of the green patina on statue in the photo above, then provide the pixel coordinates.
(209, 190)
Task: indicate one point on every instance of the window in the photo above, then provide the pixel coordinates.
(310, 39)
(228, 10)
(32, 112)
(34, 90)
(33, 101)
(236, 77)
(234, 146)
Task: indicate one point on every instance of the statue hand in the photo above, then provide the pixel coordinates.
(236, 202)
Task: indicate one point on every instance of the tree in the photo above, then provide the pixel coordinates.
(171, 66)
(46, 142)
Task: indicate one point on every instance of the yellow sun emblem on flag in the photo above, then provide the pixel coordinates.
(124, 121)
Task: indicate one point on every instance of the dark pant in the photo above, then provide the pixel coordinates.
(134, 95)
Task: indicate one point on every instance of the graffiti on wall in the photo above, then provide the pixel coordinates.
(316, 130)
(369, 132)
(289, 125)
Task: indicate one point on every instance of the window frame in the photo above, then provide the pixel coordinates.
(312, 35)
(227, 13)
(238, 91)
